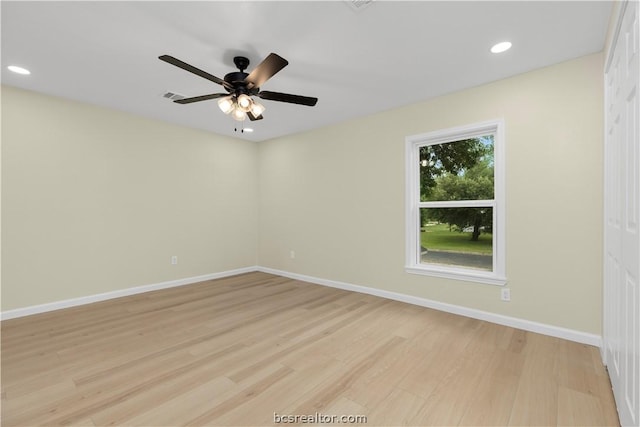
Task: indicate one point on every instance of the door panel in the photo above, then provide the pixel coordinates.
(622, 209)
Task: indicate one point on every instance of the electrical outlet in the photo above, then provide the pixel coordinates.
(174, 260)
(505, 294)
(292, 254)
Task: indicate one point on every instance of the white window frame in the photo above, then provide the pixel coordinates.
(413, 203)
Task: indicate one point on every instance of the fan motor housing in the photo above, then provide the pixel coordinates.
(235, 77)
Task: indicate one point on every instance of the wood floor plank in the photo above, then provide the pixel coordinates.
(399, 408)
(299, 383)
(318, 400)
(241, 398)
(536, 399)
(578, 408)
(178, 410)
(492, 399)
(236, 350)
(448, 401)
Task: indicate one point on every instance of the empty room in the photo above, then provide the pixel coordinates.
(350, 212)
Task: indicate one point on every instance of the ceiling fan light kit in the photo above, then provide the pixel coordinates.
(240, 107)
(241, 87)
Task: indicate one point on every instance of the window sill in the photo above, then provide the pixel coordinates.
(457, 274)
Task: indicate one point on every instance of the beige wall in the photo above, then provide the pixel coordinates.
(95, 200)
(336, 196)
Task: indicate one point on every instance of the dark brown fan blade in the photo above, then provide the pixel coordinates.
(190, 68)
(265, 70)
(254, 118)
(285, 97)
(200, 98)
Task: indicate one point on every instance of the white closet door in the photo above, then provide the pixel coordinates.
(622, 209)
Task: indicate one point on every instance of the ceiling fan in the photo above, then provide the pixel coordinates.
(241, 87)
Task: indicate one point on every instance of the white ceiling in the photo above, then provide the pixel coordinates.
(385, 55)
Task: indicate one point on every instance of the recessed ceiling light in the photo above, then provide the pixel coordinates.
(501, 47)
(18, 70)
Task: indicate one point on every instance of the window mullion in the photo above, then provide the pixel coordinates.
(458, 204)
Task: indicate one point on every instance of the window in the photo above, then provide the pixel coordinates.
(455, 203)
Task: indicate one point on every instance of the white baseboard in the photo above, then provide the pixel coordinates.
(57, 305)
(514, 322)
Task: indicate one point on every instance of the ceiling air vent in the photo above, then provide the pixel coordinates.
(173, 96)
(358, 5)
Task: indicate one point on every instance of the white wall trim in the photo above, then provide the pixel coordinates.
(514, 322)
(73, 302)
(527, 325)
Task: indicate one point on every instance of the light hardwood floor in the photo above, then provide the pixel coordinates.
(235, 351)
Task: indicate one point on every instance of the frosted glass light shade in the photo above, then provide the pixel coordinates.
(257, 109)
(244, 102)
(226, 104)
(238, 114)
